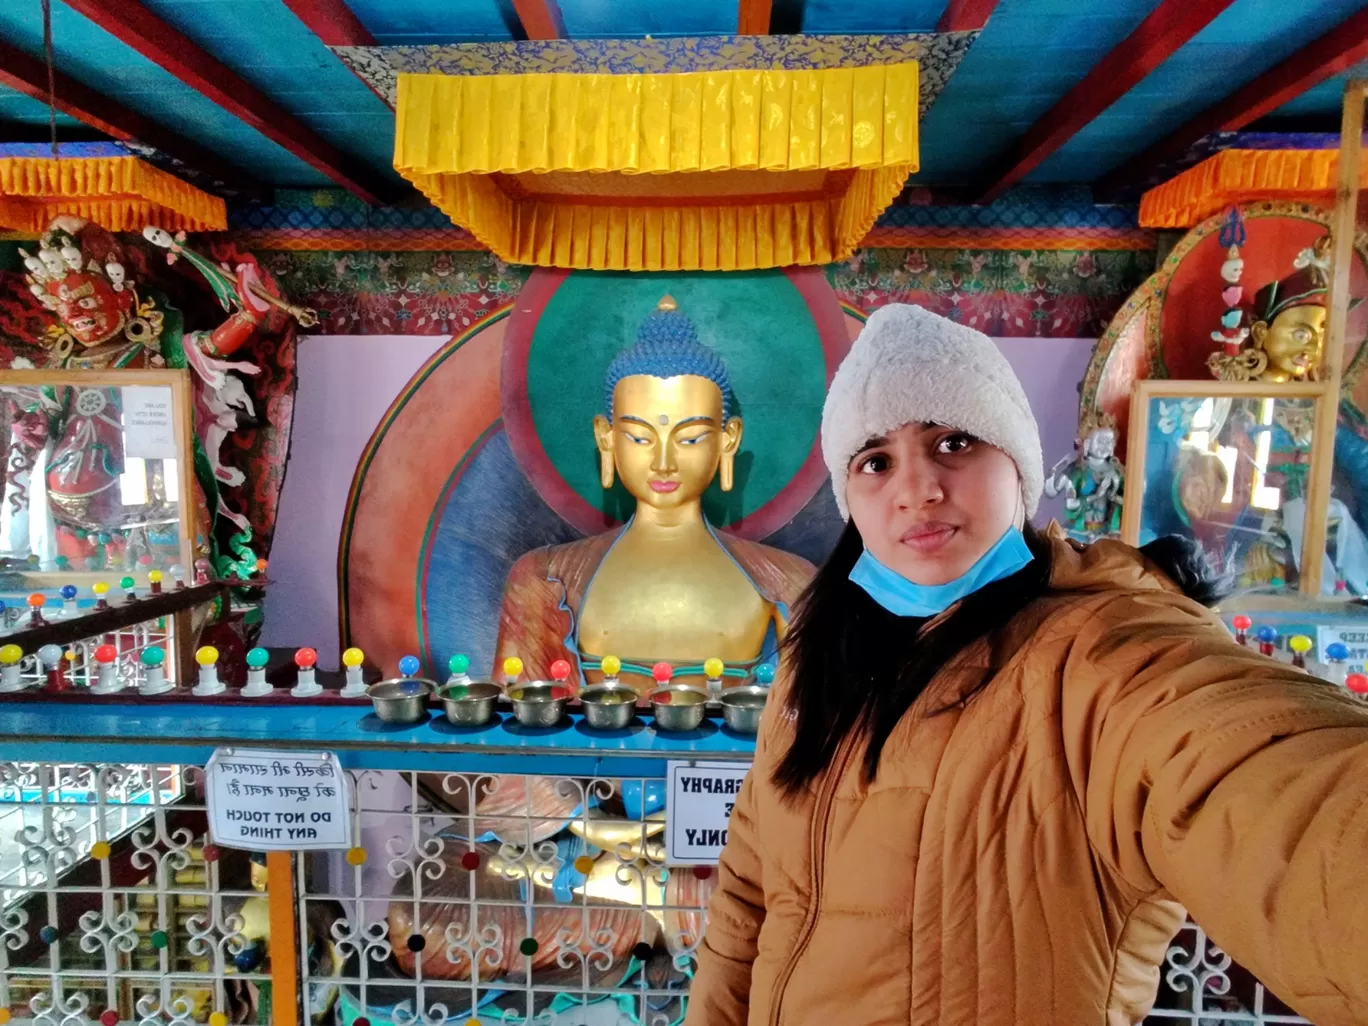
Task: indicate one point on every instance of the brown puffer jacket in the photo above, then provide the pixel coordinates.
(1024, 859)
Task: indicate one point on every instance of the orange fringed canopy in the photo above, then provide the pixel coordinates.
(722, 170)
(1242, 176)
(122, 194)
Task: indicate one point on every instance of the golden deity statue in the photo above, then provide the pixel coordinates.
(1287, 326)
(667, 586)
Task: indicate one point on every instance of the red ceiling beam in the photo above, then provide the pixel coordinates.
(541, 19)
(753, 18)
(133, 24)
(1167, 28)
(332, 21)
(28, 75)
(1338, 50)
(966, 15)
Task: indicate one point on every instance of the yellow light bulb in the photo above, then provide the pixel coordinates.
(207, 656)
(713, 668)
(513, 666)
(353, 657)
(612, 666)
(100, 587)
(154, 577)
(70, 655)
(10, 654)
(1300, 644)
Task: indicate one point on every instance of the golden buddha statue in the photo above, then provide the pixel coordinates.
(1287, 327)
(667, 586)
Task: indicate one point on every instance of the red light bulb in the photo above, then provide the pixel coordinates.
(560, 670)
(106, 654)
(37, 599)
(662, 672)
(305, 658)
(1242, 623)
(1357, 683)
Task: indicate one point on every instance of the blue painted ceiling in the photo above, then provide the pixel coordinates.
(1028, 57)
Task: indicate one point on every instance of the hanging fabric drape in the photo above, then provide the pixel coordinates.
(722, 170)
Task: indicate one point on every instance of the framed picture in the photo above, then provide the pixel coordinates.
(99, 474)
(1230, 465)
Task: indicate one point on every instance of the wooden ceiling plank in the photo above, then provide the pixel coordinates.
(1167, 28)
(753, 17)
(139, 28)
(28, 75)
(541, 19)
(1336, 51)
(332, 21)
(966, 15)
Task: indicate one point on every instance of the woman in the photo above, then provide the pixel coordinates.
(998, 765)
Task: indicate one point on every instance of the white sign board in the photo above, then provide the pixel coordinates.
(148, 427)
(1353, 636)
(277, 801)
(698, 813)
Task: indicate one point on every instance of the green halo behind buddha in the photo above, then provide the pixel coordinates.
(666, 586)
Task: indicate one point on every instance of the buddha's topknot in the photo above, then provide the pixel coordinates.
(667, 346)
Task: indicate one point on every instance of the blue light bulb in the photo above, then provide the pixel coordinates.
(1266, 634)
(764, 673)
(1337, 652)
(408, 666)
(68, 591)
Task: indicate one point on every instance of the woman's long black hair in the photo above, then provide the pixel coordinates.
(858, 668)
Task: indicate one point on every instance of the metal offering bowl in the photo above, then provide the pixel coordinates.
(741, 708)
(539, 704)
(679, 707)
(608, 706)
(401, 699)
(471, 704)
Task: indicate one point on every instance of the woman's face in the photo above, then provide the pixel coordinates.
(929, 500)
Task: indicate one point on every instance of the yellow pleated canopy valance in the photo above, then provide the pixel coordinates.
(122, 194)
(717, 170)
(1242, 176)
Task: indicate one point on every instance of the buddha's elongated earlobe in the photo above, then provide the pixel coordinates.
(731, 442)
(603, 438)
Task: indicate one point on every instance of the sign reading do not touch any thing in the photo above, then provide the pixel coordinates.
(277, 801)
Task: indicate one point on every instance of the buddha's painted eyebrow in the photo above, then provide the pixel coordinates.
(693, 420)
(637, 420)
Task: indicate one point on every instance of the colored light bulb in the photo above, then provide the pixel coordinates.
(126, 582)
(1266, 634)
(36, 600)
(257, 658)
(714, 668)
(1337, 652)
(207, 655)
(51, 655)
(560, 670)
(305, 658)
(1242, 623)
(458, 664)
(512, 666)
(62, 562)
(10, 654)
(662, 672)
(611, 665)
(1357, 683)
(353, 657)
(106, 654)
(154, 577)
(100, 588)
(408, 666)
(68, 591)
(152, 655)
(764, 673)
(71, 655)
(1300, 644)
(261, 566)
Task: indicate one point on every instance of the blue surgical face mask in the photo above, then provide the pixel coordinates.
(902, 597)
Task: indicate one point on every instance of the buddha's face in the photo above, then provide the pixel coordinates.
(667, 438)
(1293, 341)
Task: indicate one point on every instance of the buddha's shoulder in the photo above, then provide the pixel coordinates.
(786, 569)
(566, 558)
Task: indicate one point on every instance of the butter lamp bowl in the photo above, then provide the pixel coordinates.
(742, 708)
(679, 708)
(401, 699)
(471, 704)
(539, 704)
(608, 706)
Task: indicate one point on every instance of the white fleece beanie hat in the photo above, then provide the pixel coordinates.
(912, 366)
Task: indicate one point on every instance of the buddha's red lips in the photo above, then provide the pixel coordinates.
(664, 487)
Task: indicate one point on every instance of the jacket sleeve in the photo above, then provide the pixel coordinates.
(720, 992)
(1234, 783)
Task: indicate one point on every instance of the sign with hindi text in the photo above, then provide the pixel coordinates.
(701, 798)
(277, 801)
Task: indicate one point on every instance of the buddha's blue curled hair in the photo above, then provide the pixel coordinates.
(667, 346)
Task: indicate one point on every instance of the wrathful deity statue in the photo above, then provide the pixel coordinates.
(102, 317)
(667, 586)
(1091, 480)
(1286, 330)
